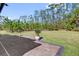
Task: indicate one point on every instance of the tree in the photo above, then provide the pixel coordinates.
(36, 16)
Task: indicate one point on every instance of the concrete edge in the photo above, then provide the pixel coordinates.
(60, 51)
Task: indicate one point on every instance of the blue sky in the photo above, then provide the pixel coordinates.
(15, 10)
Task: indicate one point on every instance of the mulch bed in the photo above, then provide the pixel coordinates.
(15, 45)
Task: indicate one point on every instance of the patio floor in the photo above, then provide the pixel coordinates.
(45, 49)
(20, 46)
(15, 45)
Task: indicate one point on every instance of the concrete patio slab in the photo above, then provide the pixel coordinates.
(44, 50)
(20, 46)
(15, 46)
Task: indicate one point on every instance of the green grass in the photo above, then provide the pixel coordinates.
(68, 39)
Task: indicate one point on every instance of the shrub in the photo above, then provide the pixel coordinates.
(37, 32)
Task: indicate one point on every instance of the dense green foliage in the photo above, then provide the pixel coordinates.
(53, 18)
(37, 32)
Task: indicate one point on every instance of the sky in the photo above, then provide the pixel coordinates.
(15, 10)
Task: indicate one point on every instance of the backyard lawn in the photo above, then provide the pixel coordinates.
(68, 39)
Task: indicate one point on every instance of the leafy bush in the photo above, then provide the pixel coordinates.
(37, 32)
